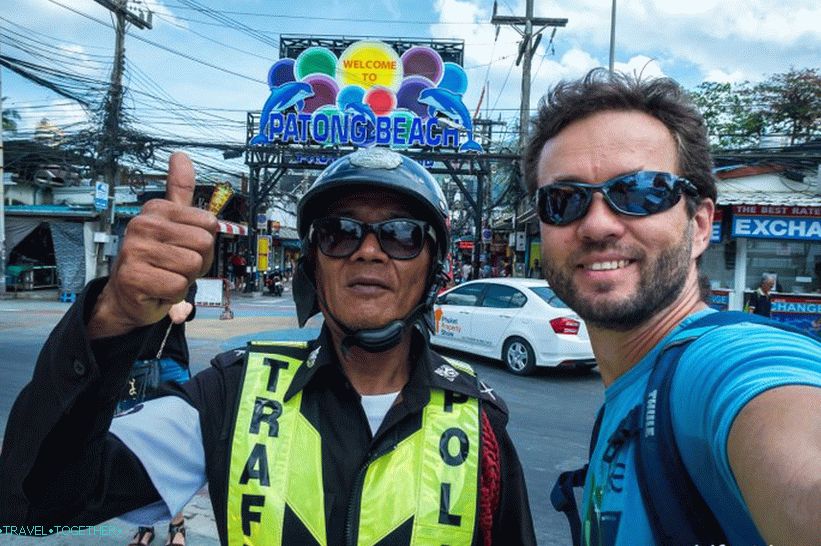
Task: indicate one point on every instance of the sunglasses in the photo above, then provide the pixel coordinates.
(640, 193)
(399, 238)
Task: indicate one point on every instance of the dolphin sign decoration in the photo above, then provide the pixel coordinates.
(368, 96)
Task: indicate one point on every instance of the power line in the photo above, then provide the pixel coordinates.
(208, 38)
(164, 48)
(232, 23)
(330, 19)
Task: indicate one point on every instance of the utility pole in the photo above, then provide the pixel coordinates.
(528, 27)
(612, 36)
(2, 203)
(109, 143)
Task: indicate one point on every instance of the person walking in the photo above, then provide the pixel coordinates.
(363, 436)
(467, 270)
(621, 171)
(240, 271)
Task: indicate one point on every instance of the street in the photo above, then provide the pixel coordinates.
(551, 412)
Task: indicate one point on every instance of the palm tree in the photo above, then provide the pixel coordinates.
(10, 118)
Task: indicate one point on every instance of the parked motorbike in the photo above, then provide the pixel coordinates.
(273, 282)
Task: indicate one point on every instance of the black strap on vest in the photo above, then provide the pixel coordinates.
(677, 512)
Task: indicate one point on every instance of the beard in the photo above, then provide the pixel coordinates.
(660, 283)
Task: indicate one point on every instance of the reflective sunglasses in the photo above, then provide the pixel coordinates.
(640, 193)
(399, 238)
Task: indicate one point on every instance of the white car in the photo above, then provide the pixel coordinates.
(520, 321)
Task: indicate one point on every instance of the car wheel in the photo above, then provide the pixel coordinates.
(518, 356)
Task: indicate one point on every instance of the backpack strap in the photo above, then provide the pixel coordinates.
(677, 512)
(562, 497)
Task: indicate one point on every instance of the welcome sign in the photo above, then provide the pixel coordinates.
(367, 96)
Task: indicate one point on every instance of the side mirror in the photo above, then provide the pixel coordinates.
(440, 300)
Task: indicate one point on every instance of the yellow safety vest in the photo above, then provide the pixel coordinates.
(431, 476)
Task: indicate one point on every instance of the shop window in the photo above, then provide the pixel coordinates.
(796, 264)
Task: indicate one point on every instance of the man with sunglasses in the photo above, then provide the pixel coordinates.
(364, 436)
(621, 174)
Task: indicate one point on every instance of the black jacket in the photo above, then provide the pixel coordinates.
(59, 464)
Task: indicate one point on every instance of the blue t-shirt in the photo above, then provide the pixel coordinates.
(717, 375)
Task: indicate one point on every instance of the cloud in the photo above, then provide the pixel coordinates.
(391, 8)
(719, 76)
(640, 65)
(694, 40)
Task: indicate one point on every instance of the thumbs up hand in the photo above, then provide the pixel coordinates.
(165, 249)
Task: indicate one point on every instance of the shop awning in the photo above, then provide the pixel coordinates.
(768, 198)
(50, 211)
(231, 228)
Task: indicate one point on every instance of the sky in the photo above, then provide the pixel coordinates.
(204, 63)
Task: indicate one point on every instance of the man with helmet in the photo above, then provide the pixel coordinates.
(363, 436)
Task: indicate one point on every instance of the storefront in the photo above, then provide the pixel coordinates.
(49, 246)
(231, 239)
(780, 236)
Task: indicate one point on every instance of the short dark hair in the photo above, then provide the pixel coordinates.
(601, 91)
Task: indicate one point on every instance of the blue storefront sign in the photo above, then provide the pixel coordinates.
(801, 311)
(777, 222)
(719, 299)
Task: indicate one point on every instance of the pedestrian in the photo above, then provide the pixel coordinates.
(467, 270)
(536, 269)
(622, 173)
(172, 363)
(760, 303)
(363, 436)
(240, 271)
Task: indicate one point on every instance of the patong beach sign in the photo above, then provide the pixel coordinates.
(368, 96)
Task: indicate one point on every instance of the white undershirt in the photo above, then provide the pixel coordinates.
(376, 406)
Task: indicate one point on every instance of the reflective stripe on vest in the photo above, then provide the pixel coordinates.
(431, 476)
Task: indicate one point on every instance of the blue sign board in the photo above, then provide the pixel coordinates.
(777, 227)
(101, 196)
(715, 237)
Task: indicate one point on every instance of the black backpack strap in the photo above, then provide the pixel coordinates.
(677, 512)
(562, 497)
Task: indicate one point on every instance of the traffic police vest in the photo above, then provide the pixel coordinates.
(431, 476)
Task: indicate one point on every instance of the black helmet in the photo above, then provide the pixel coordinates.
(377, 168)
(370, 168)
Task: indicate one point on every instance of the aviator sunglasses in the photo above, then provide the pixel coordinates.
(399, 238)
(640, 193)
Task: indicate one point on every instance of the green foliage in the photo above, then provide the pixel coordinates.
(727, 113)
(738, 115)
(10, 118)
(791, 103)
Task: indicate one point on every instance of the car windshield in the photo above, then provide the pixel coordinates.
(549, 296)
